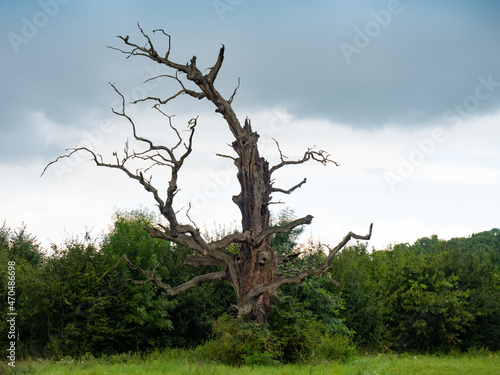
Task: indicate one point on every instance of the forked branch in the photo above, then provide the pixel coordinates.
(169, 290)
(301, 274)
(184, 90)
(193, 74)
(317, 155)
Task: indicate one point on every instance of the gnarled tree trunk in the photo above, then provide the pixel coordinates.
(256, 262)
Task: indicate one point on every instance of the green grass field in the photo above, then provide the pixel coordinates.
(184, 362)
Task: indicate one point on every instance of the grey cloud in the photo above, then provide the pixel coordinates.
(428, 58)
(411, 73)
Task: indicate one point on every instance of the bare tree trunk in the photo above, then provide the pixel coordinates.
(256, 263)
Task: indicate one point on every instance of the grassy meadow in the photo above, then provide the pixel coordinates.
(188, 362)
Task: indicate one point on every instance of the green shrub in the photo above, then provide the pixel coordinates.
(237, 342)
(333, 348)
(303, 336)
(293, 335)
(259, 358)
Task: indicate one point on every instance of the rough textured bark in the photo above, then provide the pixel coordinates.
(256, 262)
(253, 271)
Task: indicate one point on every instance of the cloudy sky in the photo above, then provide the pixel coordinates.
(405, 95)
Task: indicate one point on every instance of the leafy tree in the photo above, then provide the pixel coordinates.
(485, 330)
(476, 262)
(285, 243)
(190, 315)
(358, 288)
(431, 295)
(423, 308)
(79, 312)
(23, 249)
(21, 244)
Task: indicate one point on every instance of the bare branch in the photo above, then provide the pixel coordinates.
(172, 291)
(280, 259)
(212, 75)
(282, 157)
(169, 41)
(59, 158)
(289, 191)
(111, 268)
(193, 74)
(155, 155)
(150, 52)
(279, 202)
(196, 260)
(187, 215)
(288, 271)
(287, 228)
(248, 304)
(320, 156)
(226, 156)
(331, 279)
(229, 239)
(129, 53)
(347, 238)
(188, 236)
(184, 90)
(234, 92)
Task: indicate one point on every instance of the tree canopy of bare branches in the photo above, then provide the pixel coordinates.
(253, 270)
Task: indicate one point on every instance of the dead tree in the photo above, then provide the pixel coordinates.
(253, 272)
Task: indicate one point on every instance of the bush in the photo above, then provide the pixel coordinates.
(293, 335)
(237, 342)
(303, 336)
(333, 348)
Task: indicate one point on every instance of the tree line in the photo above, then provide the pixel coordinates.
(78, 299)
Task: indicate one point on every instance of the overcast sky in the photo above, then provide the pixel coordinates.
(405, 95)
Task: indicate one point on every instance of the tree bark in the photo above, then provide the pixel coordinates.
(256, 262)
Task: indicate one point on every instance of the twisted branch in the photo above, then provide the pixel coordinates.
(250, 299)
(169, 290)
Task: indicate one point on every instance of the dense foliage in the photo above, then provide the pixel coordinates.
(432, 295)
(77, 299)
